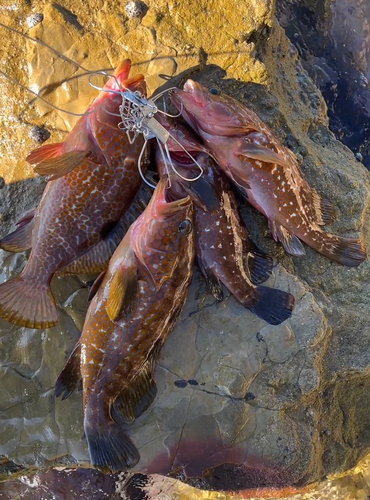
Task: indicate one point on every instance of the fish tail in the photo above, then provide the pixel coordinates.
(273, 306)
(27, 303)
(110, 447)
(349, 252)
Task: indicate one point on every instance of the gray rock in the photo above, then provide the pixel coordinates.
(286, 404)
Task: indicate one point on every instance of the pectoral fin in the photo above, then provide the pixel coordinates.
(213, 283)
(260, 153)
(123, 292)
(63, 165)
(203, 194)
(290, 242)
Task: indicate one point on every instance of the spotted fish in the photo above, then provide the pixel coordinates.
(95, 180)
(95, 260)
(268, 173)
(129, 319)
(224, 251)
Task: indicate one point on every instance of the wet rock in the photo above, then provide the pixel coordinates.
(266, 400)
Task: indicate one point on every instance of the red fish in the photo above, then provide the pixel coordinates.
(224, 251)
(97, 179)
(268, 173)
(95, 260)
(131, 315)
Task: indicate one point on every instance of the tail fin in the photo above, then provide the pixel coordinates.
(349, 252)
(273, 306)
(27, 303)
(110, 447)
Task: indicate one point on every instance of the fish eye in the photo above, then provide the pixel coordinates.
(215, 91)
(185, 226)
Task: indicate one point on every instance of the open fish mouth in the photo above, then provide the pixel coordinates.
(183, 158)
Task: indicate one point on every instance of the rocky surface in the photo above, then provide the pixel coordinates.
(280, 405)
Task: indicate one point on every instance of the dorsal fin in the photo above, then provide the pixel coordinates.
(260, 153)
(70, 375)
(20, 239)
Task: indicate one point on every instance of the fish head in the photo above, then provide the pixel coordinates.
(164, 233)
(183, 158)
(110, 98)
(214, 114)
(182, 141)
(120, 74)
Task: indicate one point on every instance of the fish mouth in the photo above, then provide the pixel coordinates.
(123, 70)
(160, 206)
(134, 83)
(192, 94)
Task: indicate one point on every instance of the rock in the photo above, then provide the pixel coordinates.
(262, 406)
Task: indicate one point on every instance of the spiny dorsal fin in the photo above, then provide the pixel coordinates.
(123, 292)
(137, 397)
(70, 375)
(260, 153)
(62, 165)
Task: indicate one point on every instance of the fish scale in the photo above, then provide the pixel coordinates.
(119, 346)
(267, 172)
(75, 208)
(224, 250)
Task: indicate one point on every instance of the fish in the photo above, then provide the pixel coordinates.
(224, 251)
(95, 260)
(94, 179)
(134, 309)
(267, 173)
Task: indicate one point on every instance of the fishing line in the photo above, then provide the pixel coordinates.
(67, 59)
